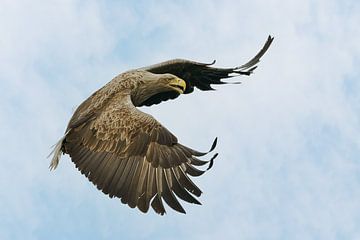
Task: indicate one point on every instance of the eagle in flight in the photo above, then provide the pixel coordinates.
(127, 153)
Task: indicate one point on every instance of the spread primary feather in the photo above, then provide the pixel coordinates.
(127, 153)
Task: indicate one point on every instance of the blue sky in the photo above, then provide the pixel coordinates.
(289, 163)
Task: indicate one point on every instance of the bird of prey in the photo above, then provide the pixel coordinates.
(127, 153)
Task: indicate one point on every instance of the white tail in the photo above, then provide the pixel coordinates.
(56, 152)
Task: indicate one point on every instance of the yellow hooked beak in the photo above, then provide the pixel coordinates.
(178, 84)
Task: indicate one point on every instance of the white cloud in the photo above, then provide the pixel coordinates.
(288, 136)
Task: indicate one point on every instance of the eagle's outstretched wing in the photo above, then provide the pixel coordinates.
(128, 154)
(201, 75)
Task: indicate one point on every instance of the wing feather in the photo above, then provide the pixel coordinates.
(158, 205)
(150, 185)
(128, 154)
(141, 184)
(114, 165)
(132, 193)
(125, 188)
(180, 191)
(125, 172)
(201, 75)
(186, 182)
(114, 185)
(168, 194)
(192, 171)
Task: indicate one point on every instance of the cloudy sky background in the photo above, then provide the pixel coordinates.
(289, 163)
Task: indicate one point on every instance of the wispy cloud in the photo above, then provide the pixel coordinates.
(288, 136)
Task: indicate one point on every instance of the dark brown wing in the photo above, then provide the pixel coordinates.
(128, 154)
(202, 75)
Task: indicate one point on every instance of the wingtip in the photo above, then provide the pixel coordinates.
(213, 145)
(212, 161)
(206, 64)
(212, 63)
(255, 59)
(270, 39)
(182, 211)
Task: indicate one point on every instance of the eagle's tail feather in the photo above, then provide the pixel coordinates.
(56, 152)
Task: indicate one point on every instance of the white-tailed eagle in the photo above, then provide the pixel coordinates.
(127, 153)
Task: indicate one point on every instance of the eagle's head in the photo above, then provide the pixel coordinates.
(153, 88)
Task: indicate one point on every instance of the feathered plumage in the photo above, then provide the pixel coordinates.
(127, 153)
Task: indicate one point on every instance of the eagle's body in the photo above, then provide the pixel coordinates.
(127, 153)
